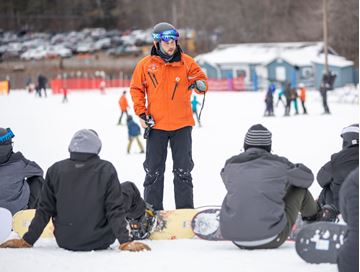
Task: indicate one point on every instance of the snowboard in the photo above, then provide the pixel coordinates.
(206, 224)
(173, 224)
(5, 224)
(320, 242)
(21, 222)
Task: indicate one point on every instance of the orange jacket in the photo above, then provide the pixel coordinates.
(302, 94)
(162, 90)
(123, 103)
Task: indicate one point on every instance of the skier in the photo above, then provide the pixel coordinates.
(86, 187)
(123, 104)
(160, 88)
(194, 104)
(265, 193)
(333, 173)
(134, 132)
(302, 97)
(348, 258)
(20, 179)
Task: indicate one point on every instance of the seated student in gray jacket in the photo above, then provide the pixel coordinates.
(265, 193)
(21, 180)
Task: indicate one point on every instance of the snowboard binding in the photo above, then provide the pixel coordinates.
(142, 227)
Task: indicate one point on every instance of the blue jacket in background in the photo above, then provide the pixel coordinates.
(133, 128)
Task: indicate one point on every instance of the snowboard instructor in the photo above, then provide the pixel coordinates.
(161, 87)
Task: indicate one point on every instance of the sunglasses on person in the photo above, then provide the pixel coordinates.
(166, 35)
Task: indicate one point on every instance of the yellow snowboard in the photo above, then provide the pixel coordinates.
(170, 225)
(173, 225)
(22, 220)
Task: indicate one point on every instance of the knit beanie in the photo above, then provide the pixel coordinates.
(350, 135)
(85, 141)
(258, 136)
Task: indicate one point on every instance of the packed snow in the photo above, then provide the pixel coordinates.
(43, 128)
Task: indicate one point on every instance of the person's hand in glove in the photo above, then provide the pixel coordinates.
(15, 243)
(134, 246)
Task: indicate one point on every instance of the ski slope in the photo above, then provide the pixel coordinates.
(43, 129)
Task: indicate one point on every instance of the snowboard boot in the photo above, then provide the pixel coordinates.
(142, 227)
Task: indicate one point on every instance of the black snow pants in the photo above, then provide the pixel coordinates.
(154, 165)
(133, 203)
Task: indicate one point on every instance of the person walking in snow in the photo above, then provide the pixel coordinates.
(21, 180)
(194, 104)
(265, 193)
(161, 88)
(294, 99)
(134, 133)
(269, 101)
(288, 98)
(85, 187)
(333, 173)
(302, 97)
(124, 105)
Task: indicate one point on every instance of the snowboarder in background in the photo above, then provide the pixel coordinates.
(265, 193)
(134, 133)
(160, 88)
(333, 173)
(348, 258)
(124, 105)
(41, 86)
(21, 180)
(84, 186)
(288, 98)
(302, 97)
(194, 104)
(326, 84)
(269, 101)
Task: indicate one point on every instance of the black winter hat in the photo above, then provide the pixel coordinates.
(5, 136)
(350, 135)
(258, 136)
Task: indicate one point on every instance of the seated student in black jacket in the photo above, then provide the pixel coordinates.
(348, 258)
(334, 172)
(84, 198)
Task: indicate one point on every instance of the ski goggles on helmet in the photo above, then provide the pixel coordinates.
(166, 35)
(7, 137)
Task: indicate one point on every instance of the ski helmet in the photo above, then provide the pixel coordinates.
(164, 31)
(350, 135)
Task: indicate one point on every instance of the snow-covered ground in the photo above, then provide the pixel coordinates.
(43, 129)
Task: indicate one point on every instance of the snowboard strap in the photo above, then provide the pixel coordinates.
(202, 106)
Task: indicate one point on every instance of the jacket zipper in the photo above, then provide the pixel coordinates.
(155, 79)
(153, 82)
(173, 94)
